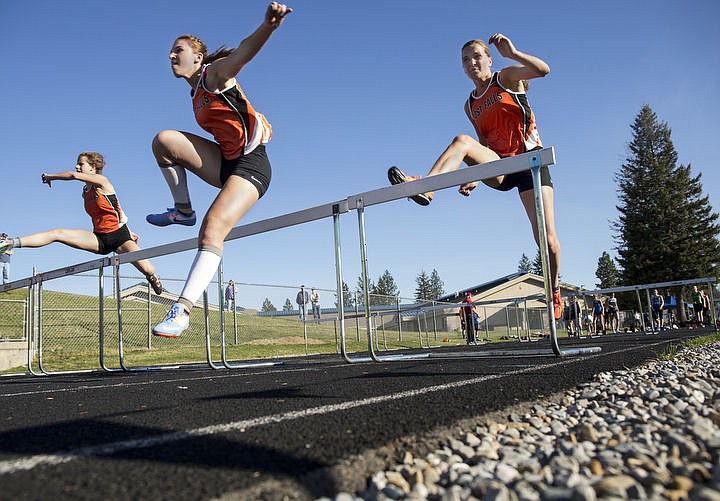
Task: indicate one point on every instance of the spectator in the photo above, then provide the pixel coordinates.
(5, 260)
(576, 316)
(707, 317)
(302, 299)
(315, 302)
(230, 292)
(698, 306)
(613, 313)
(567, 306)
(598, 315)
(658, 303)
(637, 322)
(467, 312)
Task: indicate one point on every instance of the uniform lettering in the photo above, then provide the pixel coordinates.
(481, 106)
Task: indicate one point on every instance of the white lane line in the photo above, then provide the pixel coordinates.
(28, 463)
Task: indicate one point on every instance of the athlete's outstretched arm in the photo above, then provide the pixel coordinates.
(98, 180)
(227, 67)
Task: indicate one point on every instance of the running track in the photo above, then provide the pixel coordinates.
(310, 427)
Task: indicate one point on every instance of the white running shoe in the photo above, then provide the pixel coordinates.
(175, 322)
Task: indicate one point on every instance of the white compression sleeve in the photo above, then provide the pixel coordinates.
(201, 273)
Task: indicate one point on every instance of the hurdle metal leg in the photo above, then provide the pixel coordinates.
(545, 259)
(366, 292)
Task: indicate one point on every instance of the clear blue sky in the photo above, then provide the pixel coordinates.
(350, 89)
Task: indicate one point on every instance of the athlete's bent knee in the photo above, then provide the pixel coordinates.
(463, 141)
(162, 141)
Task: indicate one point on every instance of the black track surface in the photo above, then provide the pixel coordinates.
(88, 436)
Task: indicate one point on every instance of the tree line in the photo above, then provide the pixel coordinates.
(384, 291)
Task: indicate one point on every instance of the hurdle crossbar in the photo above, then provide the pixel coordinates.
(532, 161)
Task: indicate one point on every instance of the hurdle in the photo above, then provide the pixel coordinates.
(533, 161)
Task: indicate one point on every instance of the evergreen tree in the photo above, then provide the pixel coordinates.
(288, 306)
(536, 266)
(524, 265)
(423, 289)
(386, 289)
(267, 305)
(437, 286)
(348, 297)
(359, 291)
(666, 229)
(607, 272)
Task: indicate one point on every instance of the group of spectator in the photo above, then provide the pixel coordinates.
(302, 299)
(701, 307)
(604, 316)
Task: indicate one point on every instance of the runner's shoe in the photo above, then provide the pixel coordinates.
(396, 176)
(557, 304)
(171, 216)
(175, 322)
(4, 245)
(155, 284)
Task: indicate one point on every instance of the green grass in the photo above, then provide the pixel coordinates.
(71, 326)
(672, 349)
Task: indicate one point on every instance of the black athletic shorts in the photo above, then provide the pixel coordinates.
(109, 242)
(255, 167)
(523, 180)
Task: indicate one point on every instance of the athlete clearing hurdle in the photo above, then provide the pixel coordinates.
(110, 232)
(505, 125)
(235, 162)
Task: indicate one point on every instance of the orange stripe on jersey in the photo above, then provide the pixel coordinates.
(230, 118)
(104, 209)
(504, 119)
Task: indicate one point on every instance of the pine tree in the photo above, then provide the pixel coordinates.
(348, 298)
(437, 286)
(359, 294)
(666, 229)
(524, 265)
(536, 266)
(423, 289)
(386, 289)
(288, 306)
(267, 305)
(607, 272)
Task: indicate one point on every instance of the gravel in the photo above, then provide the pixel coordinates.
(652, 432)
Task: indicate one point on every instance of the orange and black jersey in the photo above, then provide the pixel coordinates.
(230, 118)
(105, 211)
(504, 119)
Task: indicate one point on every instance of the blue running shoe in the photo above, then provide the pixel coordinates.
(171, 216)
(176, 321)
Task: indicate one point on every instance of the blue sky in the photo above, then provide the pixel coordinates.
(350, 89)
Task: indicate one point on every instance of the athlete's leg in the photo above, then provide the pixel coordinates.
(237, 196)
(79, 239)
(144, 266)
(548, 197)
(465, 149)
(175, 151)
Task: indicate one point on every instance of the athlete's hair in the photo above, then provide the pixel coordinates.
(199, 47)
(95, 159)
(480, 43)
